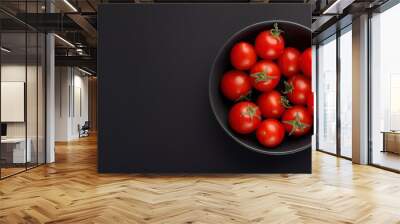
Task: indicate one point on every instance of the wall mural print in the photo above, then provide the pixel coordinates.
(205, 88)
(260, 87)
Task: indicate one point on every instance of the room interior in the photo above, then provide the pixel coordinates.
(22, 104)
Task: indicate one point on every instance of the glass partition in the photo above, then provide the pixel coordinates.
(14, 153)
(31, 99)
(22, 91)
(41, 97)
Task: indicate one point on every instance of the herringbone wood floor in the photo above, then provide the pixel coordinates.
(71, 191)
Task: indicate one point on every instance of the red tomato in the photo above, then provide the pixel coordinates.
(306, 62)
(270, 133)
(272, 104)
(297, 121)
(235, 85)
(297, 89)
(243, 56)
(265, 76)
(270, 44)
(244, 117)
(289, 62)
(310, 103)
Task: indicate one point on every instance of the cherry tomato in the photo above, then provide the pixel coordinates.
(297, 89)
(265, 76)
(310, 103)
(270, 133)
(306, 62)
(243, 56)
(270, 44)
(297, 121)
(289, 62)
(235, 85)
(272, 104)
(244, 117)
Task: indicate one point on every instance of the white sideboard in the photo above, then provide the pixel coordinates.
(19, 154)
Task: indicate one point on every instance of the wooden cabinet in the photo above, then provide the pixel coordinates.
(391, 141)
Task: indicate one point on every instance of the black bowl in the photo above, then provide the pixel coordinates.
(295, 35)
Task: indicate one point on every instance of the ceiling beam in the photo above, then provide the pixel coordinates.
(86, 26)
(337, 7)
(82, 61)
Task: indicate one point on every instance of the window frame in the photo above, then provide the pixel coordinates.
(334, 37)
(381, 9)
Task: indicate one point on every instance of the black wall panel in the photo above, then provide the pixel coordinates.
(154, 114)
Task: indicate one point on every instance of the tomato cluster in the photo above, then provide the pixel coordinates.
(270, 86)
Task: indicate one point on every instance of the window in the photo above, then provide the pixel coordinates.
(327, 95)
(385, 89)
(346, 92)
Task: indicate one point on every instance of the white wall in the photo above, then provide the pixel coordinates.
(62, 81)
(9, 73)
(71, 102)
(16, 73)
(80, 112)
